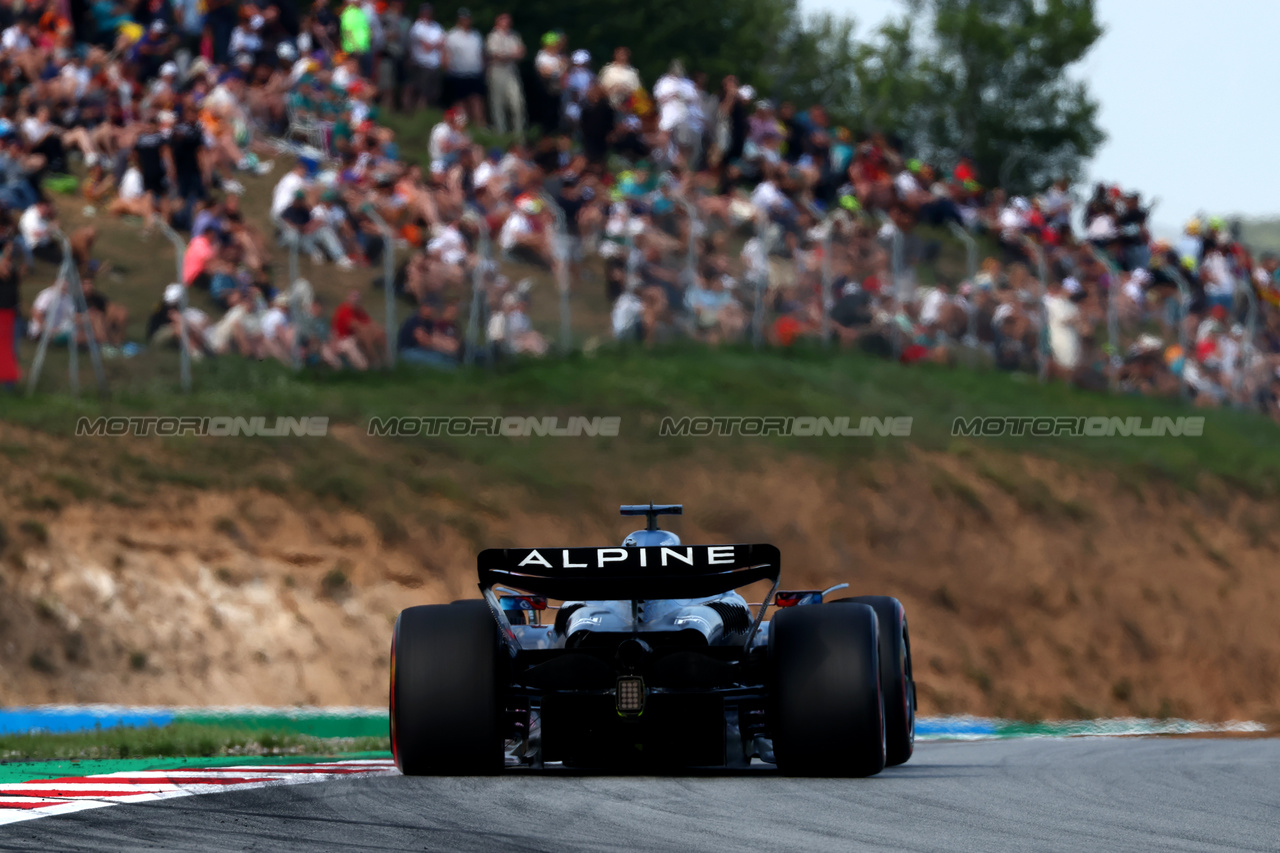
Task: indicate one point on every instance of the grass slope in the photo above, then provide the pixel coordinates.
(642, 387)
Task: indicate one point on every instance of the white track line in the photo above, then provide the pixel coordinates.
(22, 801)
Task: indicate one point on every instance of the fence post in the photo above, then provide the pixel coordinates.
(388, 280)
(478, 304)
(763, 249)
(971, 268)
(1184, 306)
(691, 250)
(184, 342)
(69, 276)
(1247, 346)
(1042, 342)
(828, 298)
(37, 366)
(1113, 316)
(895, 266)
(561, 257)
(295, 243)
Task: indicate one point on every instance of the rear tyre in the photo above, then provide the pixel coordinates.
(445, 699)
(826, 711)
(896, 680)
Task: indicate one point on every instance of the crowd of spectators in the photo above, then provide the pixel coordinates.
(706, 210)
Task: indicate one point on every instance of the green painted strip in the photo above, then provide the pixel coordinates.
(1122, 727)
(302, 722)
(25, 771)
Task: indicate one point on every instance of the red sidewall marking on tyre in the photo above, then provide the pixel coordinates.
(39, 798)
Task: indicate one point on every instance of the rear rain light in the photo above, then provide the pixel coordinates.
(630, 695)
(795, 598)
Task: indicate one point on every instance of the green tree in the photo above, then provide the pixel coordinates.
(998, 87)
(718, 38)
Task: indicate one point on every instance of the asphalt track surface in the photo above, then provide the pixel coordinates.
(1077, 794)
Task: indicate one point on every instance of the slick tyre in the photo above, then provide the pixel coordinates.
(896, 679)
(446, 703)
(826, 710)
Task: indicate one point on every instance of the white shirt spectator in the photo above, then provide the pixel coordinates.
(551, 65)
(1057, 207)
(619, 81)
(131, 186)
(14, 39)
(33, 129)
(483, 173)
(1064, 340)
(516, 226)
(282, 196)
(1102, 227)
(1011, 224)
(329, 214)
(466, 52)
(627, 311)
(674, 96)
(34, 227)
(56, 306)
(931, 306)
(767, 197)
(449, 246)
(244, 39)
(427, 40)
(499, 46)
(273, 321)
(444, 141)
(1217, 275)
(906, 185)
(221, 101)
(79, 75)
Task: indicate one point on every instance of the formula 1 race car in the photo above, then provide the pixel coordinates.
(653, 660)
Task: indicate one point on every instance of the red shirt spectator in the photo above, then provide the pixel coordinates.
(347, 316)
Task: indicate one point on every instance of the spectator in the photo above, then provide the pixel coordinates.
(426, 341)
(619, 79)
(278, 331)
(464, 64)
(287, 188)
(597, 126)
(354, 330)
(10, 318)
(577, 82)
(426, 54)
(551, 65)
(505, 49)
(54, 309)
(512, 332)
(37, 225)
(448, 140)
(357, 35)
(392, 88)
(312, 235)
(524, 235)
(108, 319)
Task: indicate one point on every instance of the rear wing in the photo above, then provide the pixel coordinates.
(618, 574)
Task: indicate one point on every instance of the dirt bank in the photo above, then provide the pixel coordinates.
(1032, 590)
